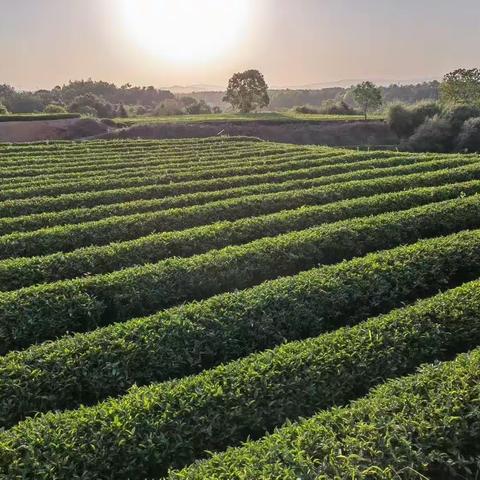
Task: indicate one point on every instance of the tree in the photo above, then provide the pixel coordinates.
(247, 91)
(367, 96)
(122, 111)
(3, 109)
(198, 108)
(94, 103)
(461, 86)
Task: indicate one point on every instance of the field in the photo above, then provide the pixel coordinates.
(161, 301)
(278, 117)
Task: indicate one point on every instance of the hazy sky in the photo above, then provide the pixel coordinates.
(293, 42)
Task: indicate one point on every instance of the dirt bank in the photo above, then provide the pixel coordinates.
(39, 130)
(346, 134)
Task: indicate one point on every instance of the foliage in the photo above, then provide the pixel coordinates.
(75, 305)
(91, 104)
(367, 96)
(337, 108)
(296, 379)
(232, 246)
(469, 138)
(305, 109)
(247, 91)
(434, 135)
(462, 86)
(68, 237)
(54, 108)
(17, 273)
(198, 108)
(423, 426)
(3, 109)
(170, 106)
(458, 114)
(152, 354)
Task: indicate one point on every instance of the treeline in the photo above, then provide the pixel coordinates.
(104, 99)
(89, 97)
(285, 99)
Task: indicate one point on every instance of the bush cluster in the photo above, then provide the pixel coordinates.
(22, 272)
(186, 339)
(423, 425)
(435, 128)
(100, 232)
(246, 398)
(45, 311)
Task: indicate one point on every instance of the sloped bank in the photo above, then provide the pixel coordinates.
(57, 129)
(348, 134)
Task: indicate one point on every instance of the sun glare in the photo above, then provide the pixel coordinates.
(186, 31)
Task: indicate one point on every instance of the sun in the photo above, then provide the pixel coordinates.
(186, 31)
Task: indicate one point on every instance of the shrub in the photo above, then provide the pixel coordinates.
(421, 426)
(3, 109)
(170, 106)
(23, 272)
(306, 110)
(403, 120)
(69, 237)
(337, 108)
(189, 338)
(469, 138)
(215, 409)
(434, 135)
(46, 311)
(198, 108)
(54, 108)
(459, 114)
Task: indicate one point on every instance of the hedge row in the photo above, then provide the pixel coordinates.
(187, 339)
(22, 272)
(155, 178)
(215, 158)
(416, 427)
(75, 216)
(92, 199)
(100, 169)
(43, 154)
(42, 312)
(105, 159)
(174, 423)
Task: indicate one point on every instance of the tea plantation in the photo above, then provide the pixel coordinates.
(228, 308)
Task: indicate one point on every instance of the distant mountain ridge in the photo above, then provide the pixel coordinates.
(345, 83)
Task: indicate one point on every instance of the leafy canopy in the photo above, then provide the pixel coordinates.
(247, 91)
(368, 96)
(462, 86)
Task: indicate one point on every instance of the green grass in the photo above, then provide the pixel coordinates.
(249, 117)
(29, 117)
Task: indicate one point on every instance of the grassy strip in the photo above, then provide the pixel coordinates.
(305, 161)
(416, 427)
(174, 423)
(92, 199)
(30, 117)
(42, 312)
(51, 219)
(22, 272)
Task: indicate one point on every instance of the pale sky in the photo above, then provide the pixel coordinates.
(182, 42)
